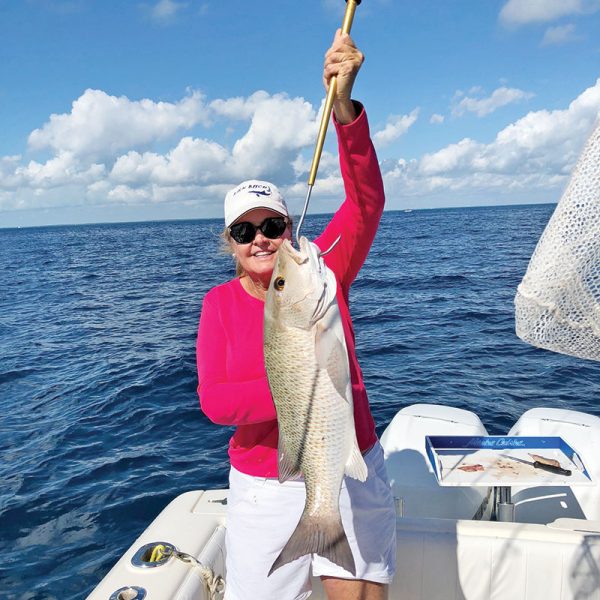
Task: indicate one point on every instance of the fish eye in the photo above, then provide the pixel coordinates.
(279, 283)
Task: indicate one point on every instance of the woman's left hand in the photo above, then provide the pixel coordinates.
(343, 60)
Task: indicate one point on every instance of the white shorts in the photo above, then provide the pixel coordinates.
(262, 514)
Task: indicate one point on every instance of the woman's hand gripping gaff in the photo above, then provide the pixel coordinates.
(343, 60)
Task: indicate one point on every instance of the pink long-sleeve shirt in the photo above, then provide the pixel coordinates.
(232, 380)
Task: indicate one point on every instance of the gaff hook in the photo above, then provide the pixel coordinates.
(325, 252)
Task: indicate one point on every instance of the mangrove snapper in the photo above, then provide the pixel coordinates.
(307, 367)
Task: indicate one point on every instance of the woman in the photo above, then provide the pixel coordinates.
(233, 386)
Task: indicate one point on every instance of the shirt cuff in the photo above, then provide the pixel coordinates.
(358, 107)
(354, 136)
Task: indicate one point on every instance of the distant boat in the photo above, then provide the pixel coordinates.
(407, 210)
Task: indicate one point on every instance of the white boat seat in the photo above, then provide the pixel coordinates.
(546, 504)
(411, 476)
(444, 559)
(441, 559)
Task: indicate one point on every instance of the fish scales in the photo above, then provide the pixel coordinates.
(307, 367)
(313, 429)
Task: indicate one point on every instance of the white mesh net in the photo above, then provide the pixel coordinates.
(558, 302)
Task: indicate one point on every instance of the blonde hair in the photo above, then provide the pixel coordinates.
(226, 246)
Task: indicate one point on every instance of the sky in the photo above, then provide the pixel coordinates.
(113, 110)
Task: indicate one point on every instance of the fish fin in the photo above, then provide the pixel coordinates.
(355, 466)
(288, 466)
(332, 357)
(323, 536)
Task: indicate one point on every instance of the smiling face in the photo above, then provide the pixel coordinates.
(257, 258)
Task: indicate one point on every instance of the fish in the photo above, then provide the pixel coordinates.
(306, 360)
(545, 461)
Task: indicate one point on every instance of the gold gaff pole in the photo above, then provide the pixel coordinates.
(331, 92)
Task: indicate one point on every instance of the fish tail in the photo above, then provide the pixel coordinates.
(319, 535)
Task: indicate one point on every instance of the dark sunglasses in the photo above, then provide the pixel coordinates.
(271, 227)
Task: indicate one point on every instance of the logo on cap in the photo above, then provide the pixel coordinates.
(254, 188)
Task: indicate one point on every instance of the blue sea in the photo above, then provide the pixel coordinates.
(100, 425)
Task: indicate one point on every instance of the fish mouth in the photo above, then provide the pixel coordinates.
(298, 256)
(304, 253)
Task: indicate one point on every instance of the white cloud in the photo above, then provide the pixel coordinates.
(484, 106)
(436, 119)
(98, 148)
(521, 12)
(128, 195)
(165, 10)
(533, 154)
(239, 108)
(63, 169)
(280, 127)
(8, 167)
(99, 124)
(396, 126)
(191, 161)
(562, 34)
(453, 158)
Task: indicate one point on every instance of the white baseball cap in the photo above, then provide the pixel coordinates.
(252, 194)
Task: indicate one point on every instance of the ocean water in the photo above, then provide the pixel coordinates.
(99, 420)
